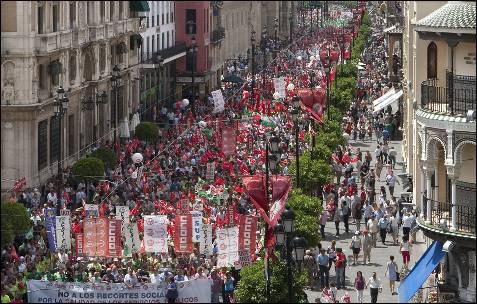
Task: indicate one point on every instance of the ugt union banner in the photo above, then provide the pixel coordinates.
(194, 291)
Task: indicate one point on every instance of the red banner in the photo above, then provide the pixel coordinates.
(312, 101)
(183, 234)
(114, 248)
(89, 237)
(247, 233)
(255, 188)
(79, 245)
(228, 141)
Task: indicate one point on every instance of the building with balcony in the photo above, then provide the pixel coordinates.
(73, 44)
(439, 62)
(159, 53)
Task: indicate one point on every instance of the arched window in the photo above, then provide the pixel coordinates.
(432, 61)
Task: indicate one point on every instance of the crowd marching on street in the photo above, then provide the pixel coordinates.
(175, 170)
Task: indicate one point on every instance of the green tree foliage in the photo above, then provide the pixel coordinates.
(251, 287)
(307, 212)
(314, 173)
(147, 131)
(106, 155)
(15, 221)
(86, 167)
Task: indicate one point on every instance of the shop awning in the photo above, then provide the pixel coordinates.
(391, 99)
(139, 6)
(421, 271)
(384, 97)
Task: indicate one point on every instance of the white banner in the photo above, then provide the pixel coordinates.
(206, 240)
(63, 232)
(193, 291)
(155, 233)
(132, 242)
(279, 84)
(196, 224)
(243, 260)
(218, 101)
(227, 242)
(122, 213)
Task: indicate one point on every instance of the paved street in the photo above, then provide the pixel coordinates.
(380, 254)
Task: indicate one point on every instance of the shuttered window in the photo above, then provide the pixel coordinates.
(42, 144)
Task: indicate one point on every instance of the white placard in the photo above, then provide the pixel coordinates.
(155, 233)
(63, 232)
(218, 101)
(279, 84)
(196, 224)
(132, 242)
(227, 242)
(206, 240)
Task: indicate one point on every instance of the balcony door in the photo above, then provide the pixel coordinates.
(432, 70)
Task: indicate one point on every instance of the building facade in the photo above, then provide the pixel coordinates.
(159, 53)
(439, 62)
(73, 44)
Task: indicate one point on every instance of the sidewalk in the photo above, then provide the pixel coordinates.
(380, 254)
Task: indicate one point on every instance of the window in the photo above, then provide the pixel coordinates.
(42, 144)
(72, 14)
(157, 19)
(167, 18)
(172, 16)
(55, 18)
(152, 21)
(163, 41)
(147, 48)
(167, 39)
(153, 45)
(162, 19)
(432, 61)
(41, 16)
(191, 21)
(55, 68)
(41, 76)
(102, 10)
(111, 10)
(71, 135)
(147, 22)
(121, 10)
(54, 139)
(158, 43)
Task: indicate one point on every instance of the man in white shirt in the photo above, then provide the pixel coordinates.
(406, 224)
(130, 279)
(375, 287)
(391, 181)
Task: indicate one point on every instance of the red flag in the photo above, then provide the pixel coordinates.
(79, 245)
(247, 233)
(183, 234)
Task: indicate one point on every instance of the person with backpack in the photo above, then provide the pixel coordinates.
(340, 265)
(355, 246)
(172, 294)
(359, 286)
(392, 272)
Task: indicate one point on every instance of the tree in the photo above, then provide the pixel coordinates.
(147, 131)
(106, 155)
(307, 213)
(88, 169)
(251, 287)
(314, 173)
(15, 221)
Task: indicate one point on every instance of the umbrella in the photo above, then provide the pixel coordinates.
(233, 78)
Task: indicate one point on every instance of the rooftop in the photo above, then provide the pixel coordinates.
(453, 17)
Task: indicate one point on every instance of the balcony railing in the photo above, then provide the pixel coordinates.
(465, 216)
(217, 35)
(456, 98)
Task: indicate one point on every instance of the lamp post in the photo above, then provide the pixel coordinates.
(294, 247)
(90, 104)
(275, 49)
(115, 83)
(263, 43)
(252, 40)
(326, 61)
(60, 108)
(295, 113)
(342, 47)
(290, 20)
(159, 60)
(312, 76)
(193, 49)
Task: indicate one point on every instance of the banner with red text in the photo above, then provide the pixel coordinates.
(155, 233)
(183, 233)
(102, 237)
(227, 243)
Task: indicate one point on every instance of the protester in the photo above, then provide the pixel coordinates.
(340, 264)
(391, 272)
(367, 246)
(322, 261)
(356, 247)
(374, 284)
(405, 248)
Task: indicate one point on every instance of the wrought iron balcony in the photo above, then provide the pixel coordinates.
(441, 216)
(456, 98)
(217, 35)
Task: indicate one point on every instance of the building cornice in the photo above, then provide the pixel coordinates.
(444, 122)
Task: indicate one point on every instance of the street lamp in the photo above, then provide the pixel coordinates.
(193, 49)
(290, 19)
(295, 113)
(60, 108)
(252, 40)
(275, 49)
(264, 52)
(284, 236)
(327, 60)
(115, 83)
(89, 104)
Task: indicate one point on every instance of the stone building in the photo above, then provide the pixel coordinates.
(73, 44)
(439, 131)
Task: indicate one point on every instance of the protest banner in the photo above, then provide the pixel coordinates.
(89, 237)
(50, 221)
(279, 84)
(196, 224)
(132, 242)
(183, 233)
(79, 245)
(206, 240)
(247, 233)
(91, 210)
(209, 175)
(218, 101)
(228, 141)
(243, 259)
(63, 232)
(102, 237)
(122, 213)
(193, 291)
(65, 212)
(227, 243)
(155, 233)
